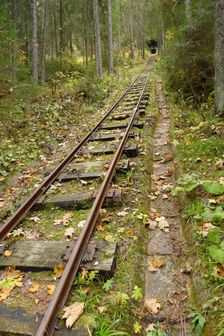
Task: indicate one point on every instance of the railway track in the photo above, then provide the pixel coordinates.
(111, 136)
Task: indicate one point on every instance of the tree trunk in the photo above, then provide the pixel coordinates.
(85, 41)
(34, 42)
(188, 12)
(99, 66)
(14, 63)
(219, 56)
(132, 52)
(110, 37)
(55, 33)
(61, 47)
(43, 74)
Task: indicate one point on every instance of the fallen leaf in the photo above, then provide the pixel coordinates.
(151, 268)
(69, 232)
(102, 309)
(158, 262)
(150, 327)
(7, 253)
(64, 220)
(81, 223)
(37, 301)
(50, 289)
(58, 270)
(109, 237)
(220, 271)
(13, 273)
(86, 290)
(18, 233)
(106, 166)
(4, 293)
(206, 228)
(219, 164)
(101, 227)
(152, 224)
(122, 213)
(152, 306)
(84, 274)
(35, 219)
(72, 313)
(34, 288)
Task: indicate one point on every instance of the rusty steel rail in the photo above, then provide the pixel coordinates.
(60, 296)
(28, 204)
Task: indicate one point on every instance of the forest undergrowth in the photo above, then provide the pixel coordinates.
(198, 137)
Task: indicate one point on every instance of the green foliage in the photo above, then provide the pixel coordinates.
(187, 183)
(197, 323)
(213, 188)
(7, 36)
(137, 293)
(217, 253)
(187, 62)
(108, 284)
(104, 328)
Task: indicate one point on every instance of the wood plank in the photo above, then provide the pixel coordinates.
(88, 166)
(131, 150)
(78, 200)
(45, 255)
(82, 176)
(111, 136)
(19, 322)
(138, 124)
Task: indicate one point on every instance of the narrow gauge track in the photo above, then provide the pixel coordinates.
(134, 93)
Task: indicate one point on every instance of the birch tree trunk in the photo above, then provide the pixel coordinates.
(110, 37)
(34, 42)
(61, 46)
(99, 66)
(14, 63)
(85, 40)
(219, 56)
(43, 74)
(132, 52)
(55, 33)
(188, 12)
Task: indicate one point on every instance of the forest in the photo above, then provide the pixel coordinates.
(65, 67)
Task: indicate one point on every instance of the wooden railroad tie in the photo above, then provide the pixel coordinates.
(78, 201)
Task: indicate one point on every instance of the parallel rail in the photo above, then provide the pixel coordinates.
(21, 212)
(47, 324)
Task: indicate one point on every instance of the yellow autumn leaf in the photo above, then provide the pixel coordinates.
(58, 270)
(158, 262)
(7, 253)
(50, 289)
(34, 288)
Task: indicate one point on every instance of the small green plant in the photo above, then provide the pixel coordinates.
(108, 284)
(137, 293)
(85, 277)
(103, 328)
(197, 323)
(188, 183)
